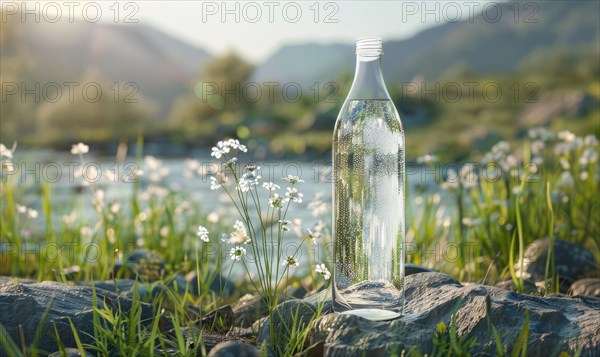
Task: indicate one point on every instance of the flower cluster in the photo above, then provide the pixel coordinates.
(577, 157)
(218, 181)
(237, 253)
(290, 261)
(323, 271)
(6, 156)
(224, 147)
(4, 152)
(202, 233)
(316, 233)
(467, 178)
(317, 206)
(80, 149)
(500, 156)
(249, 179)
(29, 212)
(239, 235)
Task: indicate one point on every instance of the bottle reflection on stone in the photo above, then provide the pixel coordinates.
(368, 195)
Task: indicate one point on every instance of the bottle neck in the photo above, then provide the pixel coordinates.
(368, 79)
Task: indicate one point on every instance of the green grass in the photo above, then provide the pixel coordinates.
(488, 225)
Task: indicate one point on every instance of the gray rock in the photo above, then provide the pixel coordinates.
(219, 320)
(529, 286)
(556, 323)
(410, 269)
(24, 305)
(588, 287)
(573, 262)
(143, 264)
(69, 352)
(316, 350)
(218, 285)
(234, 349)
(292, 314)
(248, 309)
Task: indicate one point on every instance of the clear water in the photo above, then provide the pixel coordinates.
(368, 154)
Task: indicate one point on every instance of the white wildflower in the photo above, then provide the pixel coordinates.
(248, 180)
(508, 164)
(427, 159)
(202, 233)
(537, 146)
(284, 225)
(183, 207)
(70, 218)
(270, 186)
(290, 261)
(212, 217)
(115, 208)
(111, 235)
(452, 180)
(293, 195)
(85, 231)
(79, 149)
(314, 235)
(21, 209)
(98, 200)
(239, 235)
(216, 183)
(470, 222)
(235, 144)
(164, 231)
(589, 156)
(501, 147)
(566, 136)
(590, 140)
(237, 253)
(541, 133)
(322, 269)
(317, 206)
(566, 179)
(276, 201)
(31, 213)
(152, 163)
(216, 152)
(292, 179)
(4, 152)
(468, 176)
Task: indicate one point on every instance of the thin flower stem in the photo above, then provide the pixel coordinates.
(262, 226)
(246, 217)
(280, 238)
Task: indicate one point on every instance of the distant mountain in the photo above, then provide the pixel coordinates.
(305, 63)
(480, 46)
(163, 66)
(159, 64)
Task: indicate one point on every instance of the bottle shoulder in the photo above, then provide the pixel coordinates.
(362, 110)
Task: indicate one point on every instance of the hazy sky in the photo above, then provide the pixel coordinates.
(256, 29)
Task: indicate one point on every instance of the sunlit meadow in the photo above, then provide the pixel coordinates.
(472, 221)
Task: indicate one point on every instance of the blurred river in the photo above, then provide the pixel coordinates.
(190, 179)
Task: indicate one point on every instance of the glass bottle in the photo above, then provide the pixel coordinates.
(368, 194)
